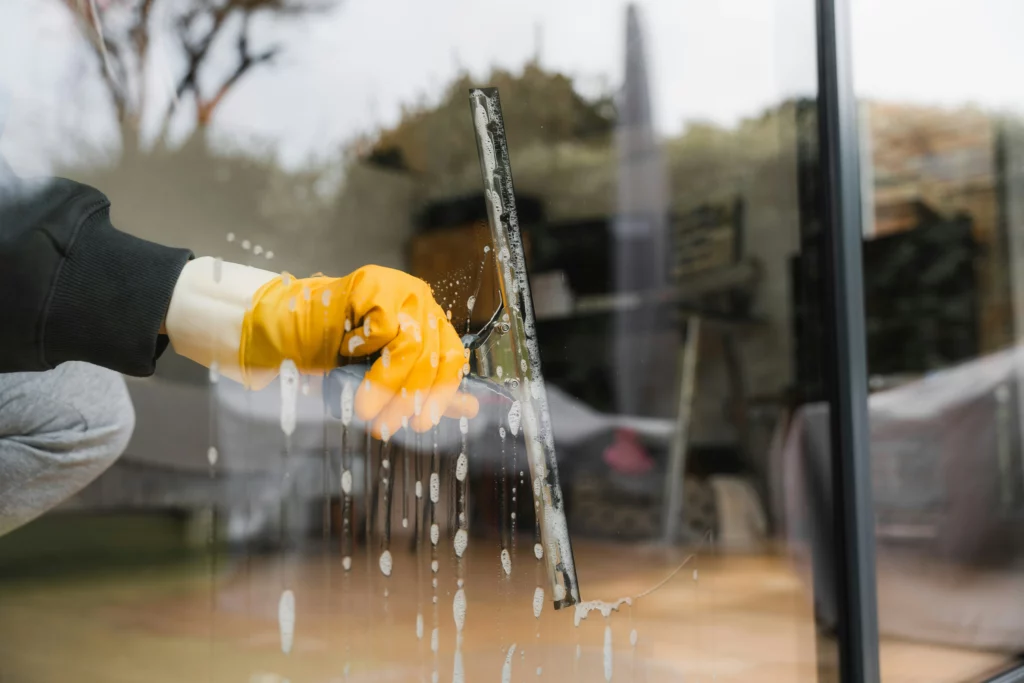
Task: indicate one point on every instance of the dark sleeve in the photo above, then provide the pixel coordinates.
(72, 287)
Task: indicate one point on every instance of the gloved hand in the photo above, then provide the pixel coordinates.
(248, 321)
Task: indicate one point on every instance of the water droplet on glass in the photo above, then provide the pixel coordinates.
(286, 620)
(231, 237)
(325, 298)
(419, 626)
(246, 244)
(257, 250)
(515, 414)
(292, 304)
(607, 653)
(433, 566)
(346, 563)
(470, 303)
(459, 610)
(434, 637)
(538, 551)
(506, 562)
(433, 359)
(499, 371)
(538, 602)
(211, 455)
(385, 563)
(405, 522)
(461, 541)
(289, 395)
(346, 404)
(419, 489)
(348, 325)
(269, 255)
(307, 293)
(354, 342)
(214, 372)
(435, 534)
(632, 637)
(366, 326)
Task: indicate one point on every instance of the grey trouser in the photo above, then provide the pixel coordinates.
(59, 430)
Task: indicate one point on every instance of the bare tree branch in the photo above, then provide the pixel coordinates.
(246, 60)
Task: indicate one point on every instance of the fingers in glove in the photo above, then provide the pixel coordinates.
(449, 375)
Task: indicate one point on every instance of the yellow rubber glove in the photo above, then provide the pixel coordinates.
(313, 320)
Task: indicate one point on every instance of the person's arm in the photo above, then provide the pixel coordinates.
(72, 287)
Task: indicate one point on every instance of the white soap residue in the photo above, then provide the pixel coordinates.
(346, 563)
(506, 562)
(231, 237)
(464, 424)
(385, 357)
(417, 403)
(499, 371)
(434, 359)
(214, 372)
(435, 488)
(419, 489)
(433, 566)
(419, 626)
(286, 620)
(435, 534)
(459, 610)
(218, 265)
(608, 653)
(435, 412)
(461, 466)
(515, 414)
(246, 244)
(538, 602)
(605, 608)
(405, 522)
(211, 455)
(366, 326)
(458, 669)
(385, 563)
(506, 671)
(289, 395)
(461, 541)
(633, 637)
(346, 404)
(346, 482)
(501, 432)
(470, 303)
(579, 651)
(348, 325)
(325, 298)
(385, 434)
(354, 342)
(538, 551)
(434, 640)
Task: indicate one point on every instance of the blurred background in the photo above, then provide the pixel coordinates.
(669, 190)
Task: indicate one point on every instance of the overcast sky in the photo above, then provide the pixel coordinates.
(348, 72)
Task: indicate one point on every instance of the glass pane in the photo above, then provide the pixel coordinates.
(940, 126)
(665, 187)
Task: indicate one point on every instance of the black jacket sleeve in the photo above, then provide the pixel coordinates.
(72, 287)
